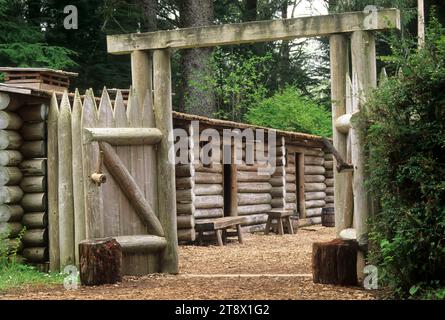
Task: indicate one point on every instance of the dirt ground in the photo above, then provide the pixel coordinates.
(264, 267)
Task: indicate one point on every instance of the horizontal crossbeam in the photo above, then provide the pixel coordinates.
(259, 31)
(124, 136)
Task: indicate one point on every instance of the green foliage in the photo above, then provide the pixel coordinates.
(238, 82)
(14, 274)
(403, 127)
(290, 110)
(22, 41)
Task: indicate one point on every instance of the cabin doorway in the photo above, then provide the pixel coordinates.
(230, 191)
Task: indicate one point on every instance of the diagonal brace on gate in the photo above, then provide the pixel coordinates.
(131, 190)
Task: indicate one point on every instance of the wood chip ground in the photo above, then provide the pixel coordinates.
(265, 267)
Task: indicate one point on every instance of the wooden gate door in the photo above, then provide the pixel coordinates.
(120, 179)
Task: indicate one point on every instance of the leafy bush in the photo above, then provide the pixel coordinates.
(290, 110)
(403, 127)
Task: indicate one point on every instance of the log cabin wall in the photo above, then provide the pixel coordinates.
(33, 184)
(23, 201)
(254, 190)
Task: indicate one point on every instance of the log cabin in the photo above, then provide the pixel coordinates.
(302, 179)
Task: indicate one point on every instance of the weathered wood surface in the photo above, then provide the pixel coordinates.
(10, 140)
(34, 131)
(10, 176)
(35, 220)
(218, 223)
(209, 213)
(343, 181)
(253, 209)
(35, 237)
(186, 222)
(36, 255)
(253, 198)
(78, 183)
(261, 31)
(208, 189)
(141, 244)
(33, 184)
(335, 263)
(162, 106)
(100, 262)
(91, 156)
(37, 167)
(10, 121)
(11, 213)
(34, 112)
(131, 189)
(10, 195)
(53, 162)
(34, 149)
(209, 202)
(124, 136)
(65, 185)
(10, 158)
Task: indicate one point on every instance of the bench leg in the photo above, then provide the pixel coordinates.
(290, 228)
(280, 227)
(219, 237)
(268, 226)
(240, 233)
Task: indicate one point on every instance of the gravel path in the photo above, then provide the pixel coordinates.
(265, 267)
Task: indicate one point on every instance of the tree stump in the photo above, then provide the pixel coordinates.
(100, 262)
(335, 262)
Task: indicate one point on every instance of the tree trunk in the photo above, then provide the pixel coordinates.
(100, 262)
(250, 10)
(150, 11)
(335, 262)
(195, 95)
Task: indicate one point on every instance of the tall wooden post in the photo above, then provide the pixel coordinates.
(364, 77)
(342, 181)
(166, 168)
(53, 209)
(142, 79)
(142, 74)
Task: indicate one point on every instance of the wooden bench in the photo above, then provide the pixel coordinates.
(220, 226)
(280, 215)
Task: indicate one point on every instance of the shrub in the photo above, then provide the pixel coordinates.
(403, 128)
(290, 110)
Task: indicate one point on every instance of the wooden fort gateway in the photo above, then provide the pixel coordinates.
(53, 175)
(351, 34)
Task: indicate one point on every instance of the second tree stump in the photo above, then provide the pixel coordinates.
(335, 262)
(100, 262)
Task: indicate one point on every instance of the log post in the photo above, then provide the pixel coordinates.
(166, 169)
(100, 262)
(65, 196)
(364, 77)
(53, 162)
(335, 262)
(343, 181)
(78, 184)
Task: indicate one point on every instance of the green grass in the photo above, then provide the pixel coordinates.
(15, 275)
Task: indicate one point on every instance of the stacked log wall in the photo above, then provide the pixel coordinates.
(23, 216)
(258, 191)
(33, 184)
(185, 193)
(315, 187)
(329, 166)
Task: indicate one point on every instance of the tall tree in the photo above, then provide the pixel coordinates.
(150, 12)
(22, 41)
(196, 95)
(250, 10)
